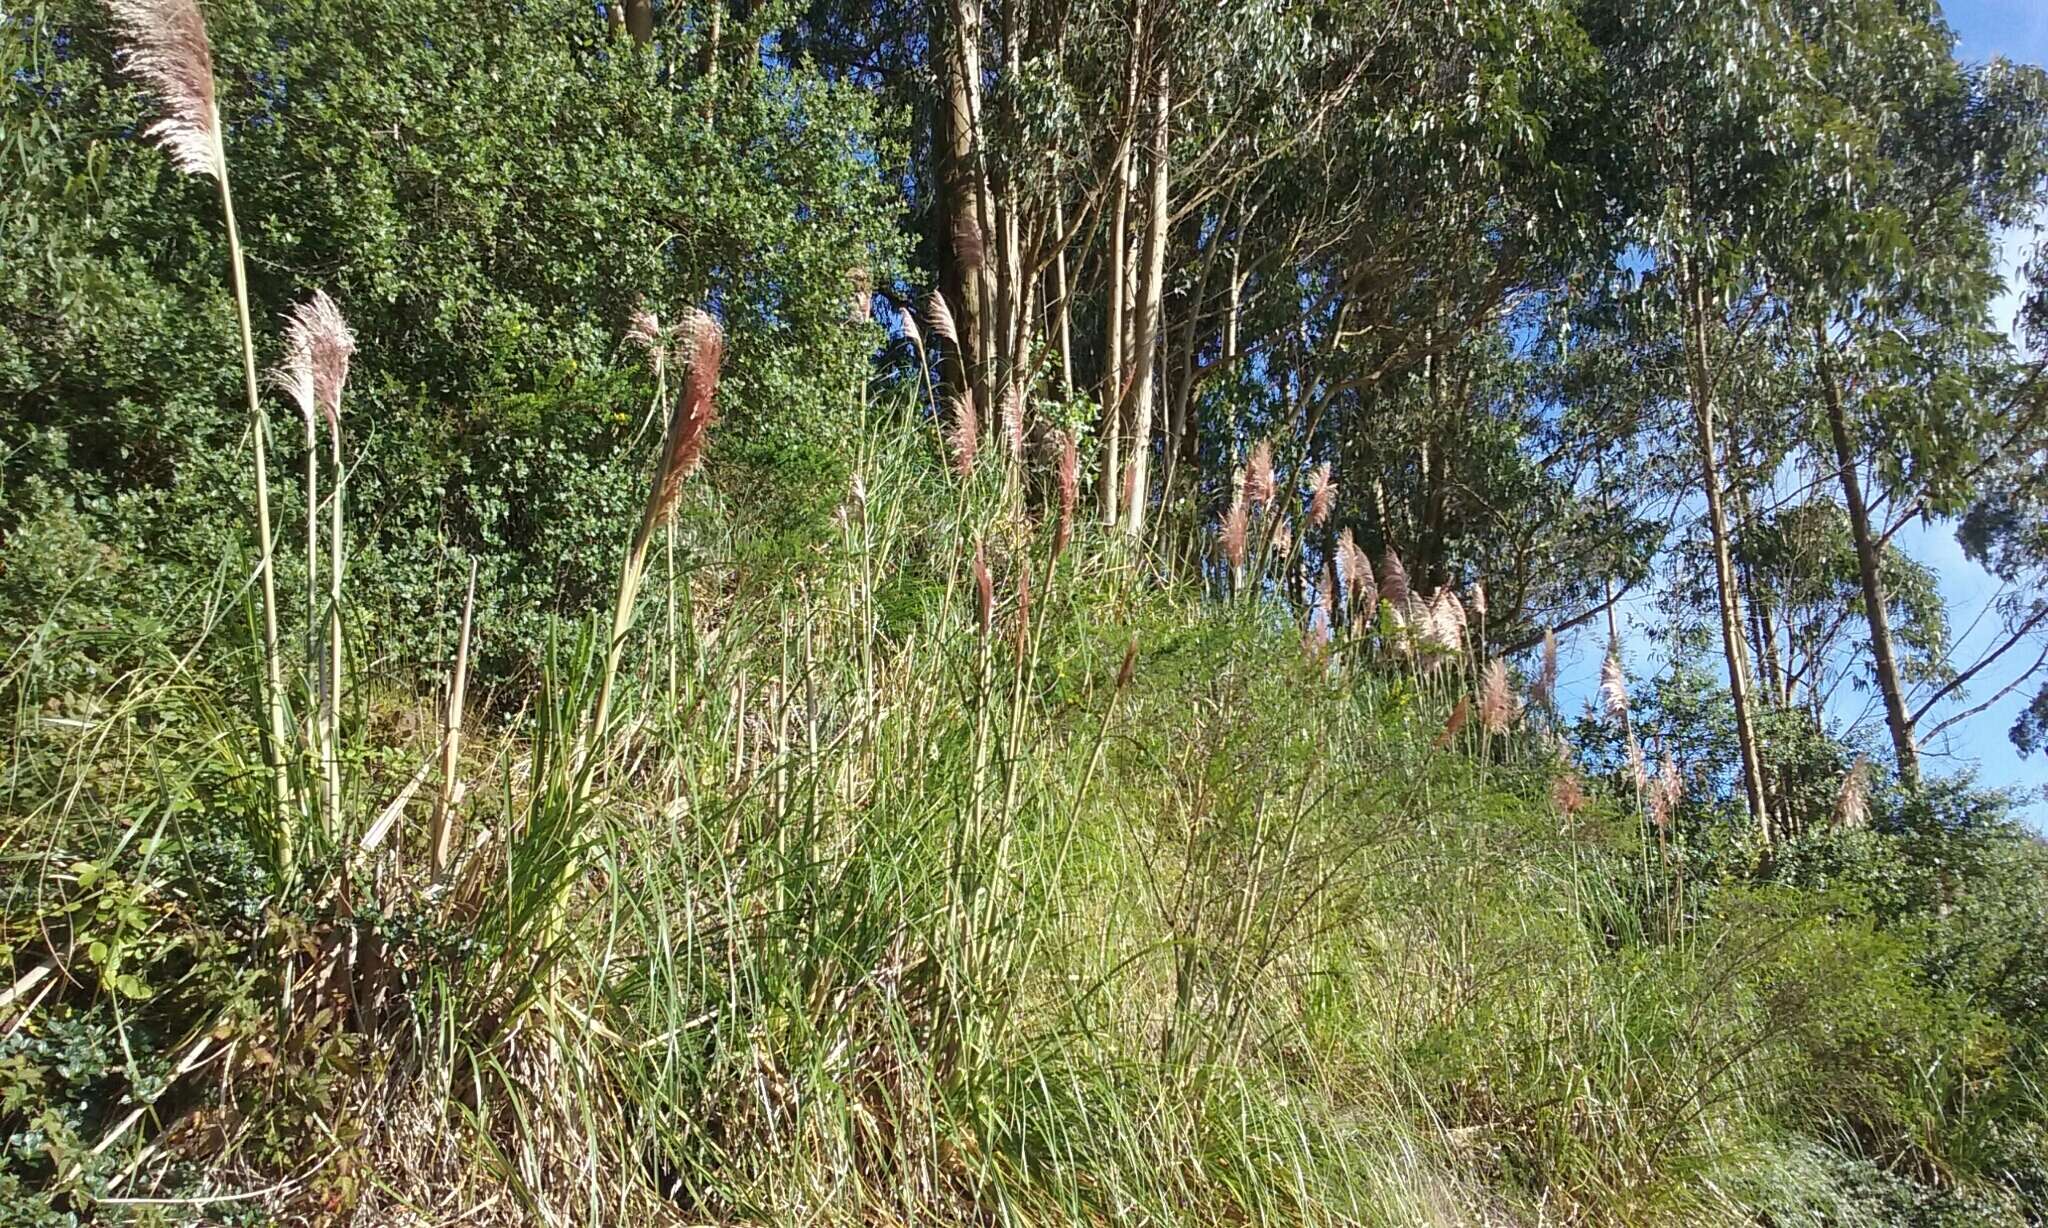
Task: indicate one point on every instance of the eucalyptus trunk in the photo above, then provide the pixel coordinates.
(1733, 642)
(1151, 292)
(1869, 576)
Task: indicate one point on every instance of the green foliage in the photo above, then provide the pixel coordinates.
(486, 231)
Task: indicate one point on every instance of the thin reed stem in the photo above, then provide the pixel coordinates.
(273, 656)
(330, 755)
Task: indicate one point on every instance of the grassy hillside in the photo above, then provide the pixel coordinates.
(889, 906)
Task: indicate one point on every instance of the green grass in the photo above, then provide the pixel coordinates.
(875, 924)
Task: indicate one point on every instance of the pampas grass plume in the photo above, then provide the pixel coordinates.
(966, 435)
(1545, 690)
(941, 316)
(318, 346)
(1393, 578)
(1498, 706)
(1613, 683)
(163, 44)
(690, 426)
(1231, 537)
(984, 591)
(1068, 475)
(1258, 475)
(1322, 495)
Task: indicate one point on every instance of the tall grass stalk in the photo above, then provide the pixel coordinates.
(164, 44)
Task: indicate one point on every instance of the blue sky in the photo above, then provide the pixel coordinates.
(2017, 30)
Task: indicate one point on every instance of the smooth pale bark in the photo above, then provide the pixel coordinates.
(1064, 312)
(1870, 577)
(1187, 338)
(1733, 642)
(1109, 433)
(1151, 294)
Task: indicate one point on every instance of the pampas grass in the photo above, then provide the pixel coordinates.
(1230, 538)
(1498, 707)
(1665, 793)
(966, 435)
(163, 44)
(1613, 684)
(1258, 475)
(1393, 579)
(682, 451)
(1544, 693)
(1322, 496)
(941, 316)
(318, 346)
(1067, 477)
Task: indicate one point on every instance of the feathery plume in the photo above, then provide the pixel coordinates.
(1393, 578)
(1447, 613)
(1360, 591)
(1852, 802)
(1638, 772)
(294, 377)
(966, 436)
(1567, 794)
(1326, 597)
(1544, 692)
(318, 345)
(1666, 793)
(984, 591)
(695, 412)
(1283, 539)
(1258, 475)
(1459, 715)
(941, 317)
(1613, 683)
(1498, 706)
(1478, 602)
(163, 44)
(1069, 484)
(643, 328)
(1322, 495)
(1439, 623)
(908, 319)
(1232, 535)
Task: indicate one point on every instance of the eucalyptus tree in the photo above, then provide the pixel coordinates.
(1890, 269)
(1717, 114)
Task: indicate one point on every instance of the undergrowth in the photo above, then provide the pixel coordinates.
(1122, 907)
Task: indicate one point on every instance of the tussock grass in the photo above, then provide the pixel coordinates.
(888, 919)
